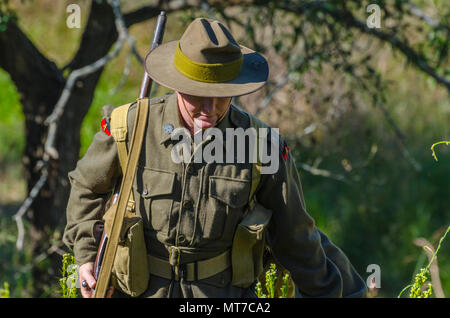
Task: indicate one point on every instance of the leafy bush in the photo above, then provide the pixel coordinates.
(270, 286)
(4, 292)
(69, 278)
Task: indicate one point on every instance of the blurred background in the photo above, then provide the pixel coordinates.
(359, 89)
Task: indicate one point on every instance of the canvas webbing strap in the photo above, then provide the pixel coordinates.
(119, 129)
(190, 271)
(122, 202)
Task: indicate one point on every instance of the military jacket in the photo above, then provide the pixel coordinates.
(197, 206)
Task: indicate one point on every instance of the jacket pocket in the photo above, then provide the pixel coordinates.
(227, 198)
(157, 191)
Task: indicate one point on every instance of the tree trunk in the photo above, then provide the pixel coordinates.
(40, 84)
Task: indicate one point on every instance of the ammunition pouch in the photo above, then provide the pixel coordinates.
(248, 246)
(130, 273)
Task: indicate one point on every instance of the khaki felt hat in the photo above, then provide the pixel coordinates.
(207, 61)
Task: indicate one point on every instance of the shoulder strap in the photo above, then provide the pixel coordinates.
(125, 190)
(119, 127)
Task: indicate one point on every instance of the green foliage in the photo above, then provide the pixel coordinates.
(416, 288)
(435, 144)
(4, 292)
(14, 265)
(69, 277)
(12, 120)
(259, 291)
(285, 287)
(271, 277)
(6, 15)
(270, 284)
(423, 275)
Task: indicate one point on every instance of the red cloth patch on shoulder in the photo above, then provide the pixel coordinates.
(105, 126)
(285, 150)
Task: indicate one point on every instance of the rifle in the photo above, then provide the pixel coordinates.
(108, 246)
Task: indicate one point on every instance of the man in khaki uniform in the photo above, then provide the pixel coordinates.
(194, 208)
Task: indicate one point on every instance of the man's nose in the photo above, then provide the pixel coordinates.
(208, 105)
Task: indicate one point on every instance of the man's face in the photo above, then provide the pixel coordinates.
(202, 112)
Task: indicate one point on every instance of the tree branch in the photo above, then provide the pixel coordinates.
(26, 64)
(346, 18)
(322, 172)
(147, 12)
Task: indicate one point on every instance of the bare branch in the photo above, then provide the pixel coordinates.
(151, 11)
(434, 269)
(281, 82)
(25, 206)
(422, 15)
(346, 18)
(323, 173)
(55, 248)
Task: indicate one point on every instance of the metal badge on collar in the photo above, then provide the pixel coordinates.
(168, 128)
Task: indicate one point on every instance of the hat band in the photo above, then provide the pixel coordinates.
(210, 73)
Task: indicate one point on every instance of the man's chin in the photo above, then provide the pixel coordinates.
(203, 124)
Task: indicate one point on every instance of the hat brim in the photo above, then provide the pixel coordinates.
(160, 67)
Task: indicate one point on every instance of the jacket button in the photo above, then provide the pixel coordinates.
(181, 239)
(145, 192)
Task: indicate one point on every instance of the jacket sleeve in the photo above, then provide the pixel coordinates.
(317, 267)
(92, 182)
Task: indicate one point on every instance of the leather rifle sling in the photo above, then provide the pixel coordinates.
(126, 186)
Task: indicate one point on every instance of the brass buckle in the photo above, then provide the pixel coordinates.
(174, 255)
(131, 206)
(178, 271)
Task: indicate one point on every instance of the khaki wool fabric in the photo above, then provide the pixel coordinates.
(197, 207)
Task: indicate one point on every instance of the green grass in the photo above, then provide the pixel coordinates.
(11, 122)
(4, 292)
(14, 264)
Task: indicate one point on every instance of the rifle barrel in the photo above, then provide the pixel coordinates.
(147, 82)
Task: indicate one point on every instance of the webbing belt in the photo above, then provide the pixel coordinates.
(190, 271)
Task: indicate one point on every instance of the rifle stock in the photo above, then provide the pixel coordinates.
(144, 92)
